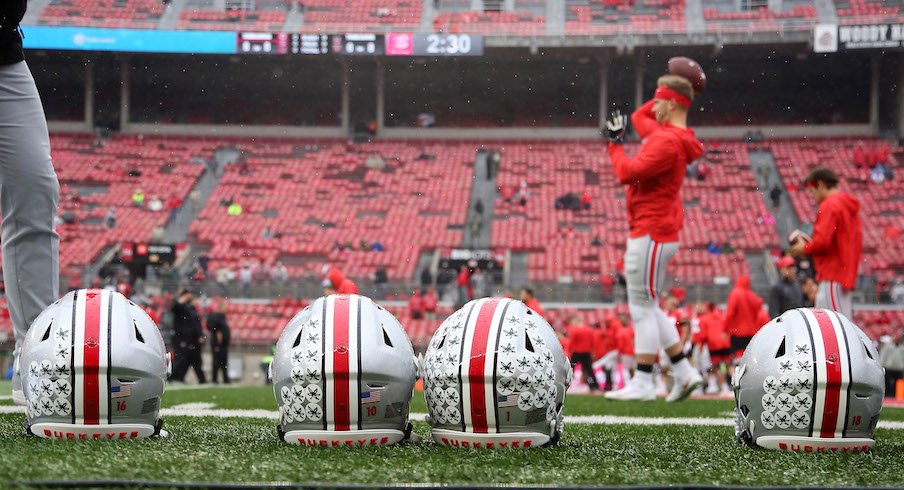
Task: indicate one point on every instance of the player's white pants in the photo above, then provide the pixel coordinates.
(645, 263)
(28, 199)
(832, 296)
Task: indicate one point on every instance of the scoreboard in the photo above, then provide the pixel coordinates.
(366, 44)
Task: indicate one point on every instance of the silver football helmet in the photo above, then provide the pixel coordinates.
(93, 367)
(495, 376)
(809, 381)
(343, 375)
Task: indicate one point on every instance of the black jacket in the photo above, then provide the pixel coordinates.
(217, 322)
(785, 295)
(11, 13)
(186, 323)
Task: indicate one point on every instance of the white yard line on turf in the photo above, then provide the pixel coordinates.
(206, 410)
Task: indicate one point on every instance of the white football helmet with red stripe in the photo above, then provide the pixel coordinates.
(495, 376)
(93, 367)
(343, 375)
(809, 381)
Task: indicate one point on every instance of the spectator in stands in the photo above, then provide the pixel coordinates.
(416, 305)
(897, 292)
(478, 207)
(860, 156)
(523, 193)
(138, 198)
(479, 284)
(155, 204)
(507, 192)
(426, 277)
(837, 241)
(775, 195)
(380, 280)
(528, 298)
(187, 337)
(430, 302)
(174, 203)
(218, 329)
(279, 273)
(464, 286)
(267, 233)
(741, 316)
(786, 294)
(877, 174)
(110, 218)
(702, 170)
(235, 209)
(224, 276)
(809, 287)
(728, 248)
(581, 342)
(194, 197)
(713, 248)
(586, 200)
(246, 276)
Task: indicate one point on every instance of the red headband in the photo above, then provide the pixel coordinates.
(669, 94)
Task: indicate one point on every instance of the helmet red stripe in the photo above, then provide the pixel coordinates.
(92, 350)
(833, 373)
(341, 361)
(477, 365)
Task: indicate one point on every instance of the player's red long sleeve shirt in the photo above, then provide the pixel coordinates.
(654, 177)
(837, 243)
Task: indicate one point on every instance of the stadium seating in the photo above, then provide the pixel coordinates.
(411, 205)
(724, 16)
(866, 12)
(723, 208)
(609, 17)
(513, 23)
(881, 205)
(131, 14)
(337, 16)
(211, 19)
(95, 178)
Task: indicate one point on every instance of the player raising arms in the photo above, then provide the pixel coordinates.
(655, 214)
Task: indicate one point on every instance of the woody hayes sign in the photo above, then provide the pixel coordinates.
(830, 38)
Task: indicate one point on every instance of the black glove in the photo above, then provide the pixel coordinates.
(616, 126)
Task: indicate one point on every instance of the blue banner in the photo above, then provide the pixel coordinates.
(129, 40)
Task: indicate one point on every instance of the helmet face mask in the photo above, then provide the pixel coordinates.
(495, 376)
(93, 366)
(809, 381)
(343, 375)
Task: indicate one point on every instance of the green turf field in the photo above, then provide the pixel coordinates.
(246, 450)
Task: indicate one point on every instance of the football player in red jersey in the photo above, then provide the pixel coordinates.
(654, 178)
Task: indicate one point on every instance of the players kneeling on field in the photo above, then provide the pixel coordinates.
(93, 367)
(809, 381)
(495, 376)
(343, 375)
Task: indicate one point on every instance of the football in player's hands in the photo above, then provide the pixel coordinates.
(799, 235)
(690, 69)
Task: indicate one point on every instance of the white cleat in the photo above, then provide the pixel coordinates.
(682, 390)
(633, 392)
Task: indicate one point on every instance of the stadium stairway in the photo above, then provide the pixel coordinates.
(294, 19)
(171, 15)
(177, 230)
(694, 14)
(826, 11)
(786, 219)
(483, 188)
